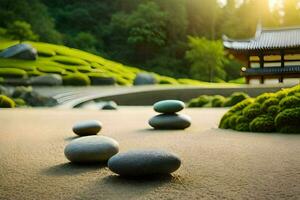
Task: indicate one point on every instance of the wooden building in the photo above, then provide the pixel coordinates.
(272, 56)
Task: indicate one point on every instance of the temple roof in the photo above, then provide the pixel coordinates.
(265, 39)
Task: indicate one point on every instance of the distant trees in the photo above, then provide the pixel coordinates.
(152, 34)
(20, 30)
(207, 59)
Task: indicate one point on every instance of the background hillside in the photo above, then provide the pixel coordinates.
(151, 34)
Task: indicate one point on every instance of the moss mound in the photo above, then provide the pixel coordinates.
(269, 112)
(6, 102)
(67, 61)
(217, 100)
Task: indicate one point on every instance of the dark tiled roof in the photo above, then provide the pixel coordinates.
(264, 39)
(271, 71)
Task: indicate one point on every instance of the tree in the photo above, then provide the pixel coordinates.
(21, 30)
(291, 12)
(147, 30)
(206, 58)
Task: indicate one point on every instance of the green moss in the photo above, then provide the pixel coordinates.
(240, 106)
(273, 110)
(12, 73)
(19, 102)
(69, 60)
(217, 101)
(263, 123)
(244, 127)
(224, 123)
(269, 102)
(263, 97)
(252, 111)
(6, 102)
(288, 118)
(167, 80)
(56, 70)
(199, 101)
(76, 79)
(289, 102)
(235, 98)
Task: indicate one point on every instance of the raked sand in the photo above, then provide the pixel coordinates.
(216, 164)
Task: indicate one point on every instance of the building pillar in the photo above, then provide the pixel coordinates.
(261, 65)
(282, 65)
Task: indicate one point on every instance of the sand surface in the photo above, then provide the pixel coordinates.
(216, 164)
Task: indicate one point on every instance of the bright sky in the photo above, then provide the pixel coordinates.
(272, 2)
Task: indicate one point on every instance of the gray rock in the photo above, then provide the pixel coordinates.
(110, 105)
(170, 121)
(144, 162)
(85, 128)
(20, 51)
(47, 80)
(169, 106)
(144, 79)
(91, 149)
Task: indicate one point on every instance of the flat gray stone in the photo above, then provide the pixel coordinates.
(91, 149)
(144, 162)
(85, 128)
(169, 106)
(144, 79)
(20, 51)
(170, 121)
(110, 105)
(47, 80)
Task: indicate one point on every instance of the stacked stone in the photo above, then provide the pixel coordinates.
(169, 119)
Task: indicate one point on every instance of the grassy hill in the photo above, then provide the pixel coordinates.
(75, 66)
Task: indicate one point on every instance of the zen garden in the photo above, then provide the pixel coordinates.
(149, 99)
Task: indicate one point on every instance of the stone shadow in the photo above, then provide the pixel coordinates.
(69, 169)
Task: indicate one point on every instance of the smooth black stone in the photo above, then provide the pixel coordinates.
(20, 51)
(144, 163)
(168, 106)
(170, 121)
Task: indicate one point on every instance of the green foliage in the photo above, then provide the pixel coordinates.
(199, 101)
(273, 101)
(12, 73)
(76, 79)
(269, 112)
(206, 58)
(217, 101)
(6, 102)
(166, 80)
(235, 98)
(21, 30)
(288, 120)
(19, 102)
(289, 102)
(251, 111)
(263, 123)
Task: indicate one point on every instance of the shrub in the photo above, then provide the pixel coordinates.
(263, 123)
(240, 106)
(12, 73)
(6, 102)
(224, 123)
(263, 97)
(217, 101)
(199, 101)
(244, 127)
(252, 111)
(76, 79)
(19, 102)
(273, 110)
(287, 120)
(289, 102)
(269, 102)
(235, 98)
